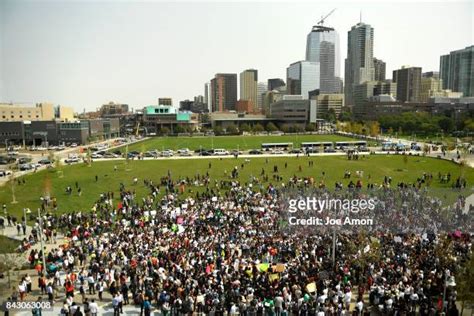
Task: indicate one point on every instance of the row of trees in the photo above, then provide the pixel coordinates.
(233, 129)
(422, 123)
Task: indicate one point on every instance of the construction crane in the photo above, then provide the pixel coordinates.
(321, 22)
(319, 27)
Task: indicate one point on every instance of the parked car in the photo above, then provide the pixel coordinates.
(277, 152)
(96, 156)
(329, 150)
(150, 154)
(235, 152)
(167, 153)
(296, 151)
(220, 152)
(26, 166)
(45, 162)
(24, 160)
(4, 173)
(207, 153)
(183, 150)
(72, 160)
(255, 152)
(185, 154)
(310, 150)
(133, 154)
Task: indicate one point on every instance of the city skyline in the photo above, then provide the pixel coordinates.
(48, 53)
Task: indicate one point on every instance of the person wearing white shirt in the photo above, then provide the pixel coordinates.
(93, 308)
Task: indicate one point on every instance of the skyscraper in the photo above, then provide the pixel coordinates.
(408, 80)
(457, 71)
(261, 89)
(359, 64)
(275, 83)
(207, 95)
(322, 46)
(379, 69)
(302, 77)
(248, 86)
(223, 92)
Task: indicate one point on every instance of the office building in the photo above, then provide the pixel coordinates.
(326, 103)
(39, 112)
(302, 77)
(261, 90)
(245, 106)
(54, 132)
(408, 80)
(379, 70)
(292, 109)
(457, 71)
(223, 92)
(359, 64)
(275, 83)
(207, 95)
(113, 108)
(322, 46)
(248, 86)
(165, 101)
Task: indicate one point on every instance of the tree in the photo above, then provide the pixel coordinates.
(374, 129)
(310, 127)
(345, 116)
(218, 130)
(232, 129)
(258, 128)
(284, 128)
(271, 127)
(245, 128)
(179, 129)
(164, 130)
(446, 124)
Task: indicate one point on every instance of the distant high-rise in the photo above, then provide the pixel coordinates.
(207, 96)
(248, 85)
(408, 80)
(322, 46)
(165, 101)
(275, 83)
(457, 71)
(359, 64)
(261, 89)
(379, 70)
(223, 92)
(302, 77)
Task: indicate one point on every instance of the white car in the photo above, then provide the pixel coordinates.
(220, 152)
(278, 152)
(96, 156)
(72, 160)
(73, 145)
(183, 150)
(167, 153)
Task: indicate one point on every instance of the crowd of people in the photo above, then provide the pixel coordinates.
(197, 245)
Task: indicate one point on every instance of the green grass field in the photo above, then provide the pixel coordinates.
(8, 245)
(228, 142)
(28, 195)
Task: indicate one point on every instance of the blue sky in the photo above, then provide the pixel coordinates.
(86, 53)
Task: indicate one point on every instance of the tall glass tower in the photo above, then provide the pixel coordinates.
(322, 46)
(359, 65)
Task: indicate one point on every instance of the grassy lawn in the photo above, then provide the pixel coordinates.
(28, 194)
(8, 245)
(229, 142)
